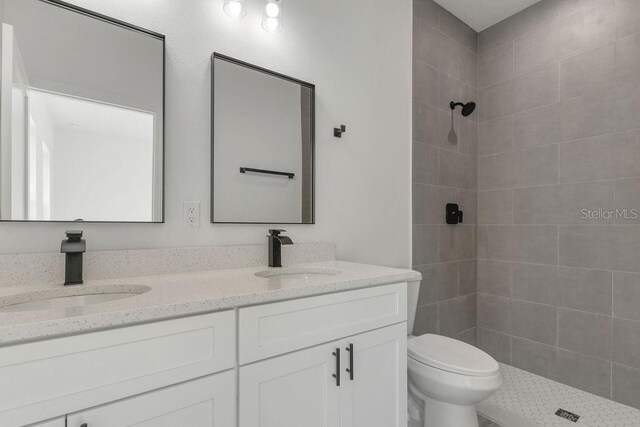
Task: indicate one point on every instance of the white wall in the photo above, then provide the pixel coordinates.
(357, 52)
(102, 176)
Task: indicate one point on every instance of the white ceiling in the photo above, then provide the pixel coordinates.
(482, 14)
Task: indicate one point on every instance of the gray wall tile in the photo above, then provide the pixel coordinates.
(470, 336)
(627, 17)
(457, 314)
(626, 295)
(569, 7)
(496, 344)
(459, 31)
(496, 65)
(537, 49)
(425, 244)
(575, 288)
(494, 313)
(468, 202)
(533, 321)
(428, 11)
(495, 207)
(444, 170)
(468, 67)
(626, 385)
(538, 127)
(585, 289)
(495, 136)
(628, 201)
(589, 72)
(583, 372)
(468, 277)
(562, 204)
(585, 333)
(605, 157)
(524, 243)
(435, 48)
(586, 116)
(626, 342)
(445, 280)
(425, 83)
(456, 242)
(605, 247)
(537, 88)
(523, 168)
(562, 78)
(427, 203)
(627, 60)
(426, 320)
(497, 100)
(627, 107)
(458, 170)
(537, 15)
(449, 89)
(494, 277)
(540, 359)
(467, 133)
(428, 286)
(535, 283)
(586, 30)
(424, 164)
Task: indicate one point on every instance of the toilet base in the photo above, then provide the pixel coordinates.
(443, 414)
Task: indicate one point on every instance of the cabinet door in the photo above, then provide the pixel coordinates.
(377, 394)
(293, 390)
(205, 402)
(56, 422)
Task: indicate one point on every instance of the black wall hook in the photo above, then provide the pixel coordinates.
(337, 132)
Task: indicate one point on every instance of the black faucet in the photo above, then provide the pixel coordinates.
(73, 248)
(275, 247)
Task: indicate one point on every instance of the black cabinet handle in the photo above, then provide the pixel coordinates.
(84, 425)
(350, 370)
(337, 374)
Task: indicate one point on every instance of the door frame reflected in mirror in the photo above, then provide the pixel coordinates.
(160, 148)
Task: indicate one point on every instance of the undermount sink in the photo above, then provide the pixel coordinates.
(78, 296)
(297, 273)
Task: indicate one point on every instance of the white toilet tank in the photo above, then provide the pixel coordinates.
(413, 290)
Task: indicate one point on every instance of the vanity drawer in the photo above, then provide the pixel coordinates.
(45, 379)
(272, 329)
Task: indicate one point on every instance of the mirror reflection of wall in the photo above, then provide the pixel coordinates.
(262, 121)
(82, 110)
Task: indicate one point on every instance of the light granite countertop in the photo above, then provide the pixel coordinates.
(183, 294)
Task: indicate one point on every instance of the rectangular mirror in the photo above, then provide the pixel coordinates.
(81, 116)
(263, 146)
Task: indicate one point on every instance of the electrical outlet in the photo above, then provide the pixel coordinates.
(191, 214)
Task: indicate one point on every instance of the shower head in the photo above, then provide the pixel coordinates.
(467, 108)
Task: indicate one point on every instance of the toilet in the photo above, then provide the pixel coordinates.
(449, 377)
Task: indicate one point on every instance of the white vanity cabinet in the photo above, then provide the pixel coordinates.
(209, 401)
(332, 360)
(47, 379)
(58, 422)
(302, 388)
(314, 386)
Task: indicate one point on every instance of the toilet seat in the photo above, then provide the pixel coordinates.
(451, 355)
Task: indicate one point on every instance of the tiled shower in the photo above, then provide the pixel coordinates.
(552, 156)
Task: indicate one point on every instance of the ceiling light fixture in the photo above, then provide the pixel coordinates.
(272, 16)
(235, 8)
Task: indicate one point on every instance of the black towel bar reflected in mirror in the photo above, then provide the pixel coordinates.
(268, 172)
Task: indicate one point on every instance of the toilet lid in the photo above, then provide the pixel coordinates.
(451, 355)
